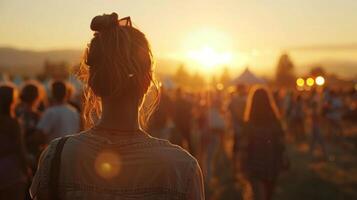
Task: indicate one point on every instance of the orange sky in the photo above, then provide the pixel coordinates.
(250, 32)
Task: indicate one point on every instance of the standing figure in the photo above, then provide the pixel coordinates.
(30, 115)
(158, 125)
(61, 118)
(297, 119)
(215, 134)
(14, 167)
(182, 119)
(262, 146)
(316, 134)
(334, 115)
(115, 158)
(236, 109)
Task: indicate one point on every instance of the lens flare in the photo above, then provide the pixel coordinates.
(310, 82)
(107, 165)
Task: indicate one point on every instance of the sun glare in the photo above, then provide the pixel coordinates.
(207, 49)
(208, 57)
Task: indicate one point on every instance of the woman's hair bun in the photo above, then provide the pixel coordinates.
(103, 22)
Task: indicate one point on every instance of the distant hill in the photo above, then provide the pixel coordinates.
(19, 61)
(28, 62)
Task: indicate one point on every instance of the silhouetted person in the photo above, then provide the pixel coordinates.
(236, 109)
(182, 119)
(158, 125)
(115, 158)
(316, 130)
(14, 169)
(262, 147)
(215, 135)
(29, 115)
(298, 118)
(61, 118)
(334, 115)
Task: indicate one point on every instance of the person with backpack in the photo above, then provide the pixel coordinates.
(115, 158)
(261, 151)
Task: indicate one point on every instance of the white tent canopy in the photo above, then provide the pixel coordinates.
(248, 78)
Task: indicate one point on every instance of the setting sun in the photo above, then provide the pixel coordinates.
(207, 49)
(208, 57)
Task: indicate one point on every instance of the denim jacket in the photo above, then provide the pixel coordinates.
(137, 166)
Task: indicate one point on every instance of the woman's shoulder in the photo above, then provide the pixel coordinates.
(147, 146)
(172, 152)
(49, 152)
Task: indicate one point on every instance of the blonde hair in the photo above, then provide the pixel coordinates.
(261, 106)
(117, 62)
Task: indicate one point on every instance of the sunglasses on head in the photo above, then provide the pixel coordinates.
(126, 21)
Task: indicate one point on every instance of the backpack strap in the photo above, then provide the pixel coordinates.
(55, 170)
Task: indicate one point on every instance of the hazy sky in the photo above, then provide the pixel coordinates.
(177, 26)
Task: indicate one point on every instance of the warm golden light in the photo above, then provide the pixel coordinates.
(107, 165)
(220, 86)
(320, 80)
(310, 82)
(206, 48)
(300, 82)
(208, 57)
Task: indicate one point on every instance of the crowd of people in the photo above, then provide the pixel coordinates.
(29, 121)
(115, 156)
(209, 123)
(250, 124)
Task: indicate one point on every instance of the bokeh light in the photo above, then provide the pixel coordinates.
(300, 82)
(320, 80)
(310, 82)
(220, 86)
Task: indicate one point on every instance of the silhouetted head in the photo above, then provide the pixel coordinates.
(59, 91)
(261, 107)
(119, 62)
(8, 99)
(30, 93)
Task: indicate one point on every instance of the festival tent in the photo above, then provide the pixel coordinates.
(247, 78)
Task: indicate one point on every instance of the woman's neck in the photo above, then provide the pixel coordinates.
(119, 114)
